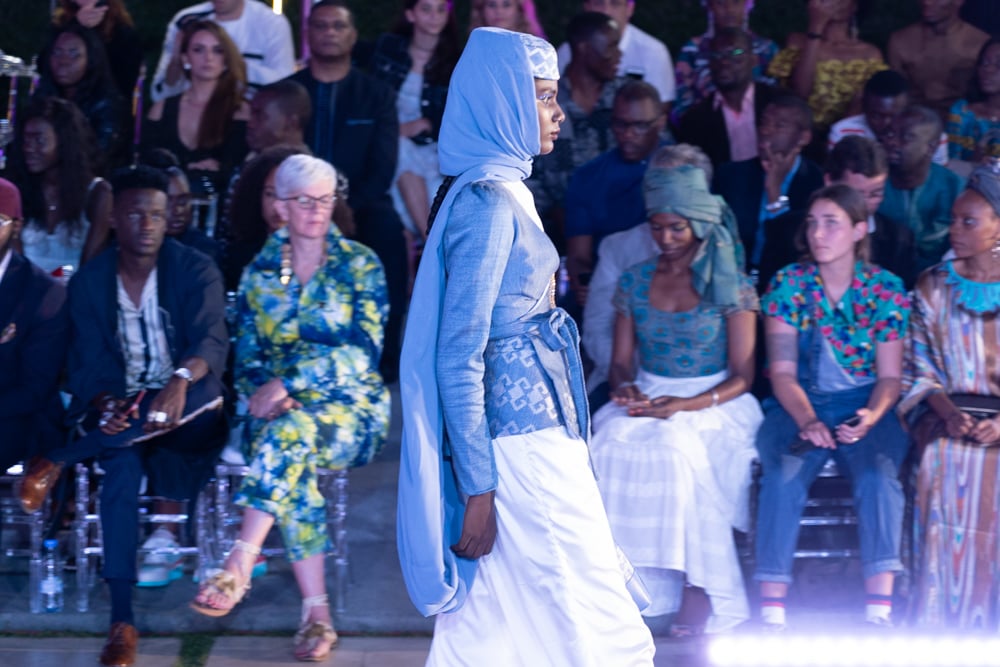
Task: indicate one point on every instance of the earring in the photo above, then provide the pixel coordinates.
(187, 67)
(285, 272)
(995, 250)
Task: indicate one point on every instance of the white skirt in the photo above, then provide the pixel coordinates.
(551, 593)
(674, 490)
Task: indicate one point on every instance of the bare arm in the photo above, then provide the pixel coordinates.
(621, 375)
(783, 354)
(889, 371)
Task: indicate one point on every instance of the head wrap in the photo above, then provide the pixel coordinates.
(541, 57)
(683, 191)
(985, 181)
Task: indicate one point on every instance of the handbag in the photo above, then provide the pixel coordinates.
(977, 405)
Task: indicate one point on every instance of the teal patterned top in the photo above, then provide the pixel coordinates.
(876, 309)
(324, 338)
(691, 343)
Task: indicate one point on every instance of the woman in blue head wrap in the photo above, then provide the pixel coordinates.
(673, 450)
(500, 526)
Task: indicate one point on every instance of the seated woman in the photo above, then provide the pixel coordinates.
(673, 450)
(312, 308)
(834, 329)
(694, 81)
(974, 123)
(67, 209)
(205, 126)
(828, 65)
(516, 15)
(953, 363)
(111, 20)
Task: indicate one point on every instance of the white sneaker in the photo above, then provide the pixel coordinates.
(159, 569)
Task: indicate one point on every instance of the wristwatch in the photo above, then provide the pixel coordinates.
(184, 373)
(776, 206)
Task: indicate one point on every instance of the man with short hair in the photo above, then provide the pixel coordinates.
(586, 94)
(263, 38)
(643, 56)
(279, 114)
(355, 128)
(604, 195)
(148, 349)
(937, 54)
(724, 125)
(884, 97)
(919, 193)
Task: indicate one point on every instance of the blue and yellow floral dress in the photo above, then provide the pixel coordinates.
(323, 339)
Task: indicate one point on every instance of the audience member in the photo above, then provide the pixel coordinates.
(307, 360)
(143, 356)
(417, 59)
(180, 215)
(586, 95)
(67, 209)
(724, 123)
(516, 15)
(34, 335)
(951, 373)
(693, 69)
(111, 20)
(642, 55)
(835, 326)
(280, 112)
(204, 126)
(73, 66)
(937, 54)
(673, 452)
(604, 195)
(765, 190)
(883, 98)
(828, 65)
(355, 128)
(974, 122)
(919, 194)
(261, 37)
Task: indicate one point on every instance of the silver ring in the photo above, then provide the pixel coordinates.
(855, 439)
(158, 417)
(102, 422)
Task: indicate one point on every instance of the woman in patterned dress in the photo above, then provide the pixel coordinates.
(955, 342)
(312, 310)
(834, 328)
(673, 450)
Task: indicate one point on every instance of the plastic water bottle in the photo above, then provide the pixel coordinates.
(51, 586)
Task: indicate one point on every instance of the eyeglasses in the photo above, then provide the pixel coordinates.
(640, 126)
(731, 54)
(307, 203)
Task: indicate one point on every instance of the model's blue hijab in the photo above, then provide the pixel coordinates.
(489, 132)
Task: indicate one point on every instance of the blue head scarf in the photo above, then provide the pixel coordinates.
(490, 132)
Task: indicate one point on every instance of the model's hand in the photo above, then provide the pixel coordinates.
(851, 434)
(959, 424)
(171, 400)
(985, 431)
(267, 399)
(479, 528)
(661, 407)
(818, 434)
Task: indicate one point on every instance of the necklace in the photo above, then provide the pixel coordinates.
(285, 270)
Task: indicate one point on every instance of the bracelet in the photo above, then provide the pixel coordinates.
(715, 398)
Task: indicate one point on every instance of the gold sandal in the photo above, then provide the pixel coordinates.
(224, 583)
(313, 633)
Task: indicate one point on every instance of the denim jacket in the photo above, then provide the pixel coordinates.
(391, 62)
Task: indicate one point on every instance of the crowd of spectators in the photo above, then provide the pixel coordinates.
(810, 227)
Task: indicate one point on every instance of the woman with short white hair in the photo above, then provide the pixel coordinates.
(312, 309)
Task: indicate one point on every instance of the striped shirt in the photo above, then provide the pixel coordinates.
(143, 338)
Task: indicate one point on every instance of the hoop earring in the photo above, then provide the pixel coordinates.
(995, 250)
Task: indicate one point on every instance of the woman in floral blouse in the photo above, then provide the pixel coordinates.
(834, 327)
(313, 307)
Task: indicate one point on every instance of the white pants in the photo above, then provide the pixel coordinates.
(551, 593)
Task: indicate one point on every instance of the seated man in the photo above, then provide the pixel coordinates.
(937, 54)
(884, 97)
(605, 195)
(725, 124)
(34, 334)
(148, 349)
(919, 193)
(762, 191)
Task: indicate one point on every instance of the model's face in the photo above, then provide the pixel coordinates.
(307, 211)
(636, 125)
(831, 233)
(728, 13)
(975, 226)
(41, 147)
(550, 114)
(140, 221)
(988, 70)
(673, 235)
(880, 112)
(267, 123)
(601, 53)
(619, 10)
(778, 131)
(68, 60)
(731, 62)
(205, 55)
(267, 199)
(872, 188)
(331, 32)
(178, 205)
(429, 16)
(501, 13)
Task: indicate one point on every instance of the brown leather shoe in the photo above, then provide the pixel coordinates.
(39, 479)
(119, 650)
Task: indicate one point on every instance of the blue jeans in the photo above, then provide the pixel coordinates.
(872, 464)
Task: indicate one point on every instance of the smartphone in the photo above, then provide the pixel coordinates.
(850, 422)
